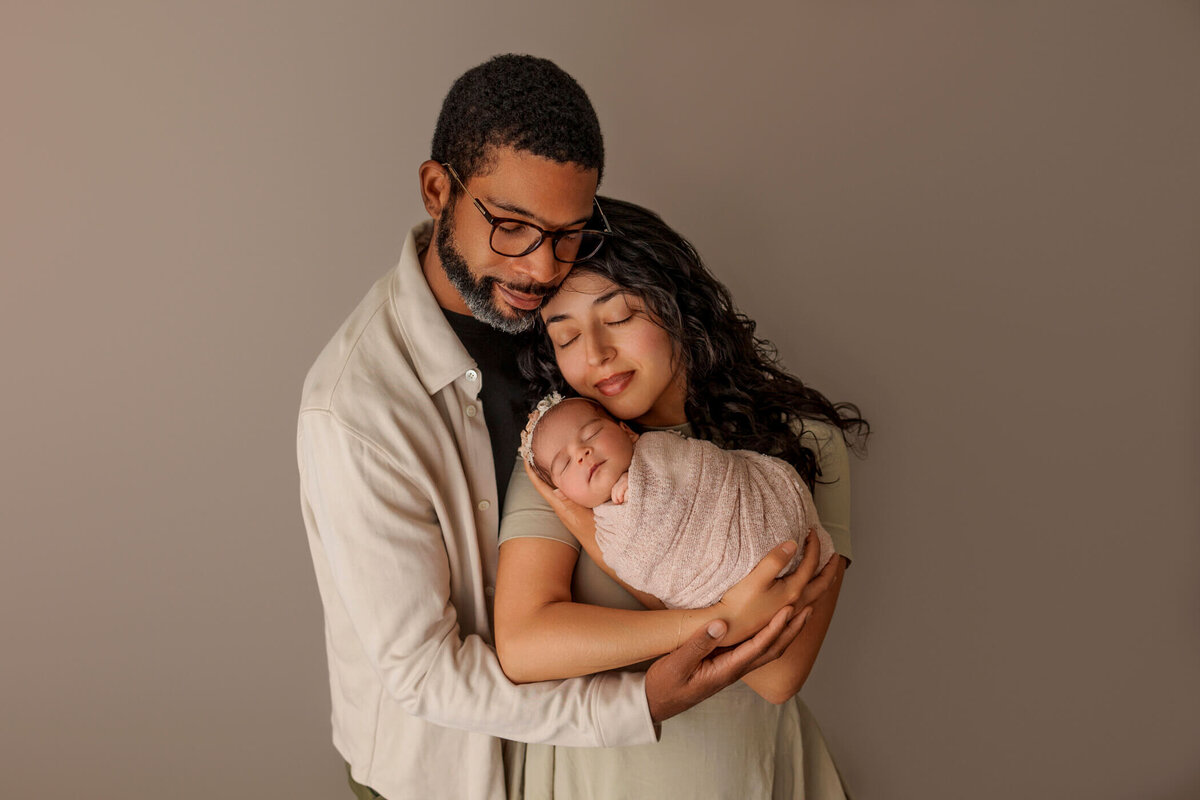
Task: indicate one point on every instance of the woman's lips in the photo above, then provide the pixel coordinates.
(525, 302)
(614, 384)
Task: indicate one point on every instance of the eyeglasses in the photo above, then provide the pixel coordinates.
(514, 238)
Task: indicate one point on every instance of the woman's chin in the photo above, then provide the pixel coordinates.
(621, 407)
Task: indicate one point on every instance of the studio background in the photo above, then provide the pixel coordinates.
(976, 220)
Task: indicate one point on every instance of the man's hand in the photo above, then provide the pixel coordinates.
(750, 602)
(697, 669)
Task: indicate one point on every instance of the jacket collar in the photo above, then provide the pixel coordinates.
(438, 357)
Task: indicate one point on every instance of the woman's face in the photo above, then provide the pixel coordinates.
(609, 349)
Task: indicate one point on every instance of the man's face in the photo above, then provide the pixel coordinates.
(506, 292)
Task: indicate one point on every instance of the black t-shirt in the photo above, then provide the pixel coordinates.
(503, 391)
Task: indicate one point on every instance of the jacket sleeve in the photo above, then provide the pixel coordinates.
(377, 529)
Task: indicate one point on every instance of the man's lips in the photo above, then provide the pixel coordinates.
(521, 300)
(614, 384)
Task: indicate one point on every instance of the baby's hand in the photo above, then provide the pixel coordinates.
(620, 488)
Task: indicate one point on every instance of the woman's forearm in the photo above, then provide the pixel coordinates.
(542, 635)
(779, 680)
(565, 639)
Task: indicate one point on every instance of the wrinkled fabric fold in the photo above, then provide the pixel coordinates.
(698, 518)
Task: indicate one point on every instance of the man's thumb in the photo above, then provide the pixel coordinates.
(704, 641)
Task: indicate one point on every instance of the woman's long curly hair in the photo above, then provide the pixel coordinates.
(737, 394)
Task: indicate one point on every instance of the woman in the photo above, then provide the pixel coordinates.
(647, 332)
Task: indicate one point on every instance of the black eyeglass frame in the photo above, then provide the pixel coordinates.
(554, 236)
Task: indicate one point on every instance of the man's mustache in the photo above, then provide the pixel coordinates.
(537, 289)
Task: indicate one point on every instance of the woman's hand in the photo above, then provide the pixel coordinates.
(779, 680)
(698, 669)
(751, 602)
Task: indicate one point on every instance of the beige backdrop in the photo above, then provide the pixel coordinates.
(977, 220)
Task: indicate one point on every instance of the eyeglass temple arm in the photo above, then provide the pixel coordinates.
(607, 227)
(487, 215)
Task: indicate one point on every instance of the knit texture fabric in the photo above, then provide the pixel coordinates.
(697, 519)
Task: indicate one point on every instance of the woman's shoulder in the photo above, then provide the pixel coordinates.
(528, 515)
(823, 438)
(831, 494)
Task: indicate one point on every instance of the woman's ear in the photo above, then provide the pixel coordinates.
(435, 187)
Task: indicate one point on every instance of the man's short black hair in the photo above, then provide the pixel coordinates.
(517, 101)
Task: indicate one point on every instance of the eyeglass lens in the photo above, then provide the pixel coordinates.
(514, 239)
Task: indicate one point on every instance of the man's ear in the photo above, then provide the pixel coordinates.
(435, 187)
(633, 437)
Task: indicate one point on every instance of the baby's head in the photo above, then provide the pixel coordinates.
(577, 447)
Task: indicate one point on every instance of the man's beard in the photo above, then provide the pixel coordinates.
(480, 293)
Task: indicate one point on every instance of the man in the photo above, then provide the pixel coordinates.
(408, 430)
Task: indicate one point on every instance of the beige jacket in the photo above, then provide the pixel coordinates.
(399, 499)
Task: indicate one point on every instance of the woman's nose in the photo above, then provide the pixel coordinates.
(598, 350)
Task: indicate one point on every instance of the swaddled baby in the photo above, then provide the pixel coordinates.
(677, 518)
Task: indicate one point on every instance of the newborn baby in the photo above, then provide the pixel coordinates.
(677, 518)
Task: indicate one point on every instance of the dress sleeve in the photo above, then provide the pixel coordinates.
(528, 515)
(831, 495)
(376, 526)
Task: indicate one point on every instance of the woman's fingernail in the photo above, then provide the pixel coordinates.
(789, 547)
(716, 629)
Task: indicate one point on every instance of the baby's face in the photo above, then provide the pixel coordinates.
(583, 449)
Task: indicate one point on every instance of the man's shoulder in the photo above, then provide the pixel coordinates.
(380, 373)
(364, 350)
(388, 342)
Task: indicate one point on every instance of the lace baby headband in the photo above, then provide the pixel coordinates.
(545, 404)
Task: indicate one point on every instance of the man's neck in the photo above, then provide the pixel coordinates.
(443, 291)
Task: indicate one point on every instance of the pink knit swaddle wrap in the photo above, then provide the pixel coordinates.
(698, 518)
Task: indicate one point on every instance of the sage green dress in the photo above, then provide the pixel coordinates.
(733, 745)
